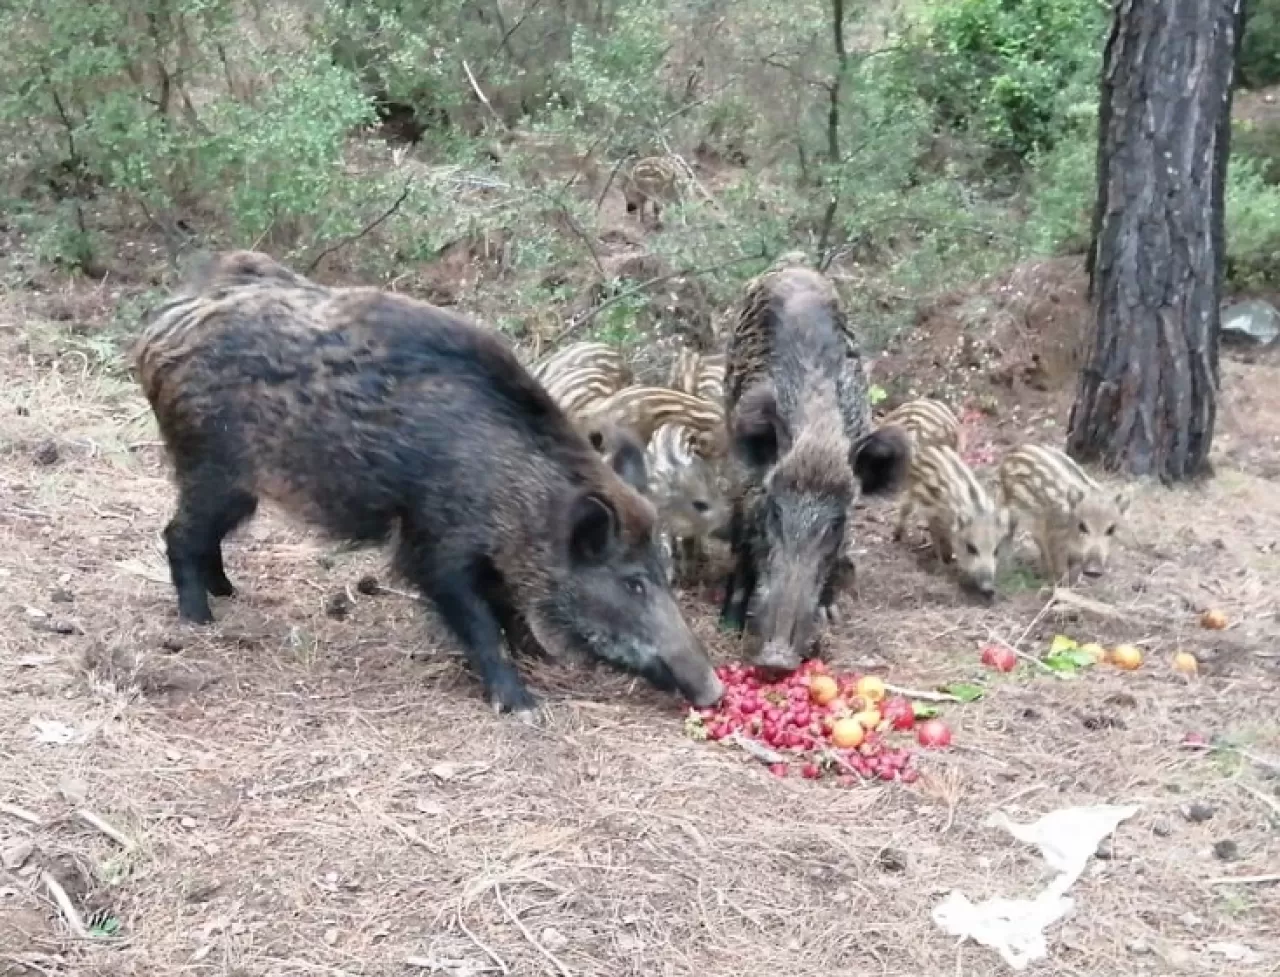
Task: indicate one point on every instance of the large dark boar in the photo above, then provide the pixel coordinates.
(803, 451)
(376, 417)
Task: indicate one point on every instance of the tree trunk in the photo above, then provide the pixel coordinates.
(1147, 397)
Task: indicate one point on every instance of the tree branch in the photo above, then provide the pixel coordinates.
(353, 238)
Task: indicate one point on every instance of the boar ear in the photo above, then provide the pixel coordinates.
(757, 427)
(593, 527)
(1075, 495)
(879, 460)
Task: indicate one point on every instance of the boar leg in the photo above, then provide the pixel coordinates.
(742, 576)
(207, 512)
(472, 620)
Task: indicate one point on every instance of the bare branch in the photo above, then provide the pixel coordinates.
(368, 228)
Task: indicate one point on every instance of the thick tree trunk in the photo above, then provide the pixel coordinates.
(1147, 397)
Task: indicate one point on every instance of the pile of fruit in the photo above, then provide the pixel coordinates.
(828, 724)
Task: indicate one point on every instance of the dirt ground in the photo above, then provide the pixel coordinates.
(313, 786)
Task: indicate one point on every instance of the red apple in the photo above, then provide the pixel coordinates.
(898, 712)
(933, 733)
(999, 657)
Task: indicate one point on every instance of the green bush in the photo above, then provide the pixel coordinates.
(1259, 62)
(1007, 72)
(1253, 228)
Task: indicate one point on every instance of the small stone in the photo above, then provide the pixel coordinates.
(338, 606)
(331, 935)
(1138, 945)
(60, 595)
(16, 855)
(1191, 921)
(171, 645)
(73, 791)
(188, 822)
(61, 626)
(1227, 850)
(1198, 812)
(1162, 829)
(368, 585)
(46, 453)
(892, 860)
(553, 939)
(200, 889)
(1104, 850)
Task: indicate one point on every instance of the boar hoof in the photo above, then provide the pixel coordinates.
(507, 694)
(831, 616)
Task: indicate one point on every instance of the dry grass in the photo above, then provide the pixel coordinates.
(300, 795)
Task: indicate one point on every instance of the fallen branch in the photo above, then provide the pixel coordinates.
(95, 822)
(65, 905)
(21, 813)
(484, 947)
(1071, 598)
(924, 696)
(757, 751)
(524, 930)
(368, 228)
(484, 99)
(1246, 879)
(1026, 657)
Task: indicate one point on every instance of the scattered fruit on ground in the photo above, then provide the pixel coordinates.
(847, 733)
(898, 712)
(1098, 652)
(822, 726)
(868, 719)
(1213, 619)
(1127, 657)
(1185, 663)
(870, 688)
(999, 657)
(823, 689)
(933, 734)
(1195, 740)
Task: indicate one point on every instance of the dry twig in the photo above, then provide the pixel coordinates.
(524, 931)
(65, 905)
(98, 824)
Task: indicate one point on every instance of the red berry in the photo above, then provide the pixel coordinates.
(910, 775)
(811, 771)
(778, 769)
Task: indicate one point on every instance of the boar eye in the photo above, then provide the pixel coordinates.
(700, 505)
(636, 587)
(1110, 530)
(1084, 530)
(973, 550)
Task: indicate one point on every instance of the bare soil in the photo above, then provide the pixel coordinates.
(313, 786)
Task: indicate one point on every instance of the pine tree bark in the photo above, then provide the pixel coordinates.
(1147, 397)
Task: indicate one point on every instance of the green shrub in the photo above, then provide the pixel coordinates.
(1253, 228)
(1259, 62)
(1006, 72)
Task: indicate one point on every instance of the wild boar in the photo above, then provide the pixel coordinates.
(377, 417)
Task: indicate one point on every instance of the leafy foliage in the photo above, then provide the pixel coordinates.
(1007, 72)
(913, 156)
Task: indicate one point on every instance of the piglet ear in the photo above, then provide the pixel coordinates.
(593, 528)
(630, 462)
(757, 434)
(880, 459)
